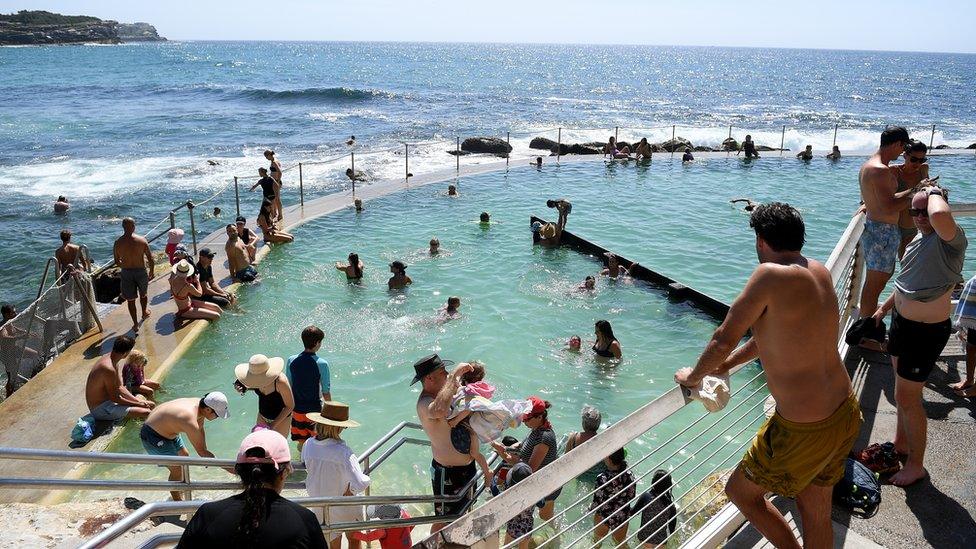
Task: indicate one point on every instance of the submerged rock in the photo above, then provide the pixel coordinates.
(492, 145)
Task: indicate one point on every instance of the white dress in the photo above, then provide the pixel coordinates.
(332, 467)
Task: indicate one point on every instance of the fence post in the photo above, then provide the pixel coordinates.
(186, 480)
(559, 144)
(672, 140)
(193, 226)
(782, 140)
(237, 199)
(730, 131)
(406, 162)
(616, 133)
(508, 141)
(172, 218)
(301, 186)
(457, 155)
(352, 161)
(89, 304)
(728, 152)
(834, 144)
(932, 139)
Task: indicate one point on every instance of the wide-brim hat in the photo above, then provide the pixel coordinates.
(333, 413)
(260, 371)
(182, 268)
(428, 365)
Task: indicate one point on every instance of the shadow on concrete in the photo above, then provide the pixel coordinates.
(945, 522)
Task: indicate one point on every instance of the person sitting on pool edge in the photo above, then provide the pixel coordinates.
(611, 149)
(399, 279)
(238, 260)
(643, 150)
(353, 269)
(248, 237)
(550, 234)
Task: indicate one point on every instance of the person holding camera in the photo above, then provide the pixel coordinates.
(185, 287)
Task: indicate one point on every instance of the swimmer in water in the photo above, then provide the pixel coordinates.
(435, 246)
(574, 344)
(216, 211)
(353, 269)
(806, 154)
(451, 310)
(750, 205)
(484, 219)
(537, 163)
(358, 204)
(687, 157)
(452, 191)
(643, 150)
(613, 268)
(834, 154)
(61, 205)
(399, 280)
(588, 285)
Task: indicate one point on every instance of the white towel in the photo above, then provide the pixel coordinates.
(713, 392)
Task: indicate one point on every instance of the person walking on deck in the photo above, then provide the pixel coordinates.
(160, 434)
(920, 325)
(310, 382)
(134, 258)
(451, 471)
(882, 202)
(105, 393)
(800, 451)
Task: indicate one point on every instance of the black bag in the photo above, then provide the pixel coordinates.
(865, 328)
(859, 492)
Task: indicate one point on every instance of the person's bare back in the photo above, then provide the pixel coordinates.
(103, 383)
(439, 433)
(237, 257)
(797, 340)
(130, 251)
(66, 255)
(878, 187)
(176, 416)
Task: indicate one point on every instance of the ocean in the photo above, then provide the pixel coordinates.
(131, 129)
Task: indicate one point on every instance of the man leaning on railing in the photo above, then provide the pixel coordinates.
(790, 306)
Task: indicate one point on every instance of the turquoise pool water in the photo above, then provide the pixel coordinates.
(519, 302)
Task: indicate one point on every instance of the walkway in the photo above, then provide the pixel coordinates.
(43, 411)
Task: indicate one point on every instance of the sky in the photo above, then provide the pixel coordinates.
(919, 25)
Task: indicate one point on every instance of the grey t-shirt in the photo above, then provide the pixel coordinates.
(931, 266)
(536, 437)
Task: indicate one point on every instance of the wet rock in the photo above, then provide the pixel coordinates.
(676, 144)
(490, 145)
(542, 143)
(578, 148)
(108, 285)
(453, 152)
(702, 148)
(973, 146)
(730, 144)
(213, 162)
(767, 148)
(942, 146)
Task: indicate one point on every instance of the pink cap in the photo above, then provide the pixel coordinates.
(274, 445)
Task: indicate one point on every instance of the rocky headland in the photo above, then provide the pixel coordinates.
(29, 28)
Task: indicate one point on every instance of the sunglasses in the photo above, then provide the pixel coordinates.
(915, 160)
(915, 212)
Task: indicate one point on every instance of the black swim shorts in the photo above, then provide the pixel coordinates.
(917, 345)
(449, 481)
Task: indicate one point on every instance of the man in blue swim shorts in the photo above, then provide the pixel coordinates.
(882, 205)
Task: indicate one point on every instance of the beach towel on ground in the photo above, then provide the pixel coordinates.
(965, 314)
(488, 419)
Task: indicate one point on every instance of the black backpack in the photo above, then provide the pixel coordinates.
(859, 492)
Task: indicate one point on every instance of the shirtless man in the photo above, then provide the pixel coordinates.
(133, 256)
(451, 470)
(160, 433)
(882, 203)
(564, 207)
(806, 154)
(105, 393)
(61, 205)
(399, 280)
(817, 417)
(67, 254)
(238, 261)
(248, 237)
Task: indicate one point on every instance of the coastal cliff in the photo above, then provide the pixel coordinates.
(26, 28)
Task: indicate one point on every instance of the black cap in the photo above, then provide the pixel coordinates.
(428, 365)
(241, 219)
(208, 253)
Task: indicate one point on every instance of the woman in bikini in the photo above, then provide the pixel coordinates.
(353, 269)
(275, 172)
(606, 345)
(271, 234)
(184, 287)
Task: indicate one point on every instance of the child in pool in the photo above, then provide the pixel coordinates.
(574, 344)
(474, 417)
(134, 375)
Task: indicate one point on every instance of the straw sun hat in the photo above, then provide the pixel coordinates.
(333, 413)
(260, 371)
(182, 268)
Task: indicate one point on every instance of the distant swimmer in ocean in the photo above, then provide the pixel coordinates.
(61, 205)
(399, 279)
(353, 269)
(606, 344)
(614, 269)
(611, 149)
(452, 191)
(484, 219)
(643, 150)
(834, 154)
(435, 246)
(749, 147)
(750, 205)
(687, 157)
(358, 204)
(806, 154)
(351, 141)
(355, 175)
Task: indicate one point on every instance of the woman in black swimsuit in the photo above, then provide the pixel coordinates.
(353, 269)
(275, 171)
(265, 376)
(606, 345)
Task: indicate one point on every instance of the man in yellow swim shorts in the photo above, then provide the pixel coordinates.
(790, 305)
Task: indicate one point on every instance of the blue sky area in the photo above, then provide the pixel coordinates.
(920, 25)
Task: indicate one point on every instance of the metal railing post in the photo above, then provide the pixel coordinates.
(406, 162)
(301, 186)
(728, 151)
(352, 162)
(47, 266)
(616, 133)
(782, 140)
(932, 138)
(457, 155)
(237, 197)
(834, 144)
(193, 226)
(366, 468)
(172, 218)
(188, 494)
(88, 303)
(730, 131)
(559, 144)
(508, 141)
(673, 129)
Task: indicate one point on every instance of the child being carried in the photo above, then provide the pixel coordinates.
(472, 412)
